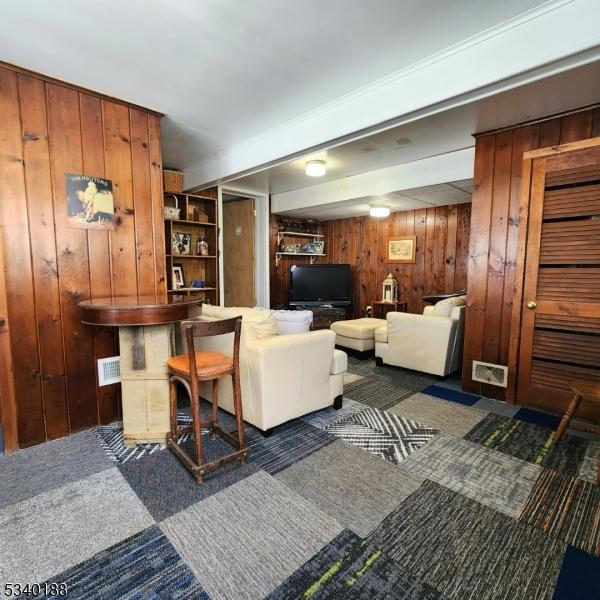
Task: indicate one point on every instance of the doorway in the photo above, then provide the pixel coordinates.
(238, 250)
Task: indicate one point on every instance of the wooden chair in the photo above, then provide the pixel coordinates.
(189, 370)
(583, 390)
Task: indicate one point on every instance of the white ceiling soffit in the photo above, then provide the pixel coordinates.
(556, 36)
(431, 171)
(437, 134)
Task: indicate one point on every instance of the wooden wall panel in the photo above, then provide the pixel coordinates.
(494, 232)
(441, 258)
(48, 129)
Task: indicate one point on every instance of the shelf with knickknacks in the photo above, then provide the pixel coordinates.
(202, 246)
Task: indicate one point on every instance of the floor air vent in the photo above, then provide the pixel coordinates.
(489, 373)
(109, 370)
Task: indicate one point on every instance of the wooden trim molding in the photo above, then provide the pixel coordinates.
(560, 148)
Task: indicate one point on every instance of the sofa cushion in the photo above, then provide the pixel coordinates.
(443, 308)
(381, 335)
(358, 329)
(339, 362)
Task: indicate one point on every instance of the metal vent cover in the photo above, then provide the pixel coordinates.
(109, 370)
(490, 373)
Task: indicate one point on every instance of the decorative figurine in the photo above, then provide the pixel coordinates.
(202, 246)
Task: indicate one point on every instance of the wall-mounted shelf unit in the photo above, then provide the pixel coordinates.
(197, 219)
(313, 255)
(282, 234)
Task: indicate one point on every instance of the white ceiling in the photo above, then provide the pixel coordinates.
(441, 133)
(226, 70)
(455, 192)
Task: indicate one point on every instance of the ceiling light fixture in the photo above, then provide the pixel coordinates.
(316, 168)
(379, 211)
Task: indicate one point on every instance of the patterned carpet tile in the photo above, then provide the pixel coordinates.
(288, 443)
(579, 577)
(447, 417)
(491, 478)
(589, 466)
(380, 392)
(468, 551)
(565, 507)
(530, 442)
(350, 568)
(351, 378)
(323, 418)
(165, 486)
(379, 432)
(246, 540)
(49, 533)
(355, 488)
(143, 566)
(49, 466)
(451, 394)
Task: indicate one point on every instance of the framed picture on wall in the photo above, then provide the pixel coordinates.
(402, 249)
(178, 279)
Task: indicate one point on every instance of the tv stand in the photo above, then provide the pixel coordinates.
(325, 314)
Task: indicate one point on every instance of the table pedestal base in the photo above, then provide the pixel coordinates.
(145, 382)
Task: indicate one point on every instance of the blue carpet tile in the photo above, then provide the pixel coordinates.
(579, 577)
(165, 486)
(348, 567)
(453, 395)
(537, 418)
(529, 442)
(287, 444)
(143, 566)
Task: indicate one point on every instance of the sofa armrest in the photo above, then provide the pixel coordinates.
(339, 362)
(420, 326)
(381, 335)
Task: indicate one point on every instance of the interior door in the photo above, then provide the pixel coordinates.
(560, 308)
(238, 252)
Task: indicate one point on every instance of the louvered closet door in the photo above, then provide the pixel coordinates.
(560, 323)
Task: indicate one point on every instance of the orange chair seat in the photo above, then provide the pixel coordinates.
(208, 364)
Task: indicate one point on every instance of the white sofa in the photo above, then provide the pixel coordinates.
(431, 342)
(282, 376)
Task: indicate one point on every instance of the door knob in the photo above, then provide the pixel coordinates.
(531, 305)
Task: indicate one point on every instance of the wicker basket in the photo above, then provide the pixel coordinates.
(173, 181)
(172, 212)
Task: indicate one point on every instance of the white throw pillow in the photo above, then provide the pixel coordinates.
(443, 308)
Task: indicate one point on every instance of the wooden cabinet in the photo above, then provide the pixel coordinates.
(186, 261)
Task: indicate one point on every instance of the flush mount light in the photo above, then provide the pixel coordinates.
(379, 211)
(316, 168)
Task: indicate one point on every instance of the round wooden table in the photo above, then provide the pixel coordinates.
(146, 342)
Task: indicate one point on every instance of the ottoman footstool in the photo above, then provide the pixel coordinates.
(357, 334)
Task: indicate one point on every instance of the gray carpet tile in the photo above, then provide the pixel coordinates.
(143, 566)
(591, 460)
(449, 417)
(351, 378)
(288, 443)
(365, 367)
(166, 487)
(51, 532)
(530, 442)
(378, 392)
(349, 568)
(468, 551)
(566, 507)
(247, 539)
(354, 487)
(49, 466)
(497, 480)
(495, 406)
(327, 416)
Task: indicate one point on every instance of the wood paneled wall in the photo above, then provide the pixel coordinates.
(48, 129)
(441, 257)
(494, 229)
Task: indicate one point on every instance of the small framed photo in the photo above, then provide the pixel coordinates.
(319, 246)
(181, 243)
(402, 249)
(178, 279)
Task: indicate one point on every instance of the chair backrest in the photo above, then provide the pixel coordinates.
(192, 329)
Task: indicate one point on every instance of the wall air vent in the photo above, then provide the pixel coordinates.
(109, 370)
(490, 373)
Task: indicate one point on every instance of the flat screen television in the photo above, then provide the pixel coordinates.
(320, 284)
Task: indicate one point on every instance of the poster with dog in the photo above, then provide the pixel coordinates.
(90, 203)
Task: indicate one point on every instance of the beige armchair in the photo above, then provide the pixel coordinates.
(282, 376)
(431, 343)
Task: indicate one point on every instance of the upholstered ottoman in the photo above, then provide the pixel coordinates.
(357, 334)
